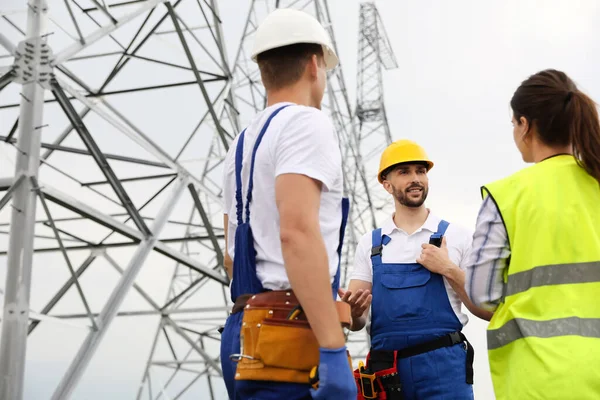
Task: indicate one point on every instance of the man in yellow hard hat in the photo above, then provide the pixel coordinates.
(410, 272)
(283, 187)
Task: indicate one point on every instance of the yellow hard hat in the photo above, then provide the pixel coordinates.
(402, 151)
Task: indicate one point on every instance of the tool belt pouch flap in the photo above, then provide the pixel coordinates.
(288, 344)
(277, 341)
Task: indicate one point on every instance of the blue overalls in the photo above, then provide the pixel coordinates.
(245, 281)
(410, 306)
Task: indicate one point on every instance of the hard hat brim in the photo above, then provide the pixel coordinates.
(417, 160)
(331, 59)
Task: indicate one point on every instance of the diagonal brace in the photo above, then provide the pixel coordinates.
(7, 44)
(102, 32)
(138, 136)
(206, 222)
(81, 39)
(135, 285)
(63, 290)
(6, 79)
(8, 138)
(188, 53)
(109, 222)
(64, 252)
(95, 151)
(105, 12)
(110, 309)
(182, 293)
(64, 134)
(8, 195)
(192, 343)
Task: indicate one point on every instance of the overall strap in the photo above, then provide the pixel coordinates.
(258, 140)
(377, 242)
(245, 280)
(345, 211)
(441, 230)
(239, 156)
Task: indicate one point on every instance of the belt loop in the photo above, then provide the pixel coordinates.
(469, 363)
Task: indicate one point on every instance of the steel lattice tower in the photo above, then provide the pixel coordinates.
(114, 121)
(371, 136)
(374, 54)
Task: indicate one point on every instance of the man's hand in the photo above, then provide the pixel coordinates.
(436, 258)
(358, 303)
(437, 261)
(335, 376)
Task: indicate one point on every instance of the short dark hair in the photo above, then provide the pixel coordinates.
(284, 66)
(389, 169)
(562, 114)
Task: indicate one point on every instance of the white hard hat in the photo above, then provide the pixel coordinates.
(286, 26)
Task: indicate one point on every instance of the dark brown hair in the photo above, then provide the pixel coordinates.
(391, 168)
(285, 65)
(563, 116)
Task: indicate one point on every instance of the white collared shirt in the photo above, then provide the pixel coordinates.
(405, 248)
(299, 140)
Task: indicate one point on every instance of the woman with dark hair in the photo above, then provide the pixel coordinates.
(536, 249)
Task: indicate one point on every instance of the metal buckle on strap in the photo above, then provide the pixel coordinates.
(238, 357)
(436, 240)
(376, 250)
(455, 337)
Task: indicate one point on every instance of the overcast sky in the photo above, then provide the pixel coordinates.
(459, 64)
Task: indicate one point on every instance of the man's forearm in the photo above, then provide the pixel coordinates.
(227, 261)
(456, 278)
(358, 323)
(307, 267)
(228, 264)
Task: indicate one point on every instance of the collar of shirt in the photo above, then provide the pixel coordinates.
(431, 224)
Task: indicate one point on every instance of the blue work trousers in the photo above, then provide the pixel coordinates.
(436, 375)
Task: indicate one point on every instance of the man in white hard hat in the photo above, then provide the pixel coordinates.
(283, 204)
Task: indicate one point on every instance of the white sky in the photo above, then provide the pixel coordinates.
(459, 63)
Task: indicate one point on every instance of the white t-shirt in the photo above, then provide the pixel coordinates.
(299, 140)
(404, 248)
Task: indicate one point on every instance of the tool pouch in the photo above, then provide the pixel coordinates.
(277, 343)
(367, 386)
(380, 379)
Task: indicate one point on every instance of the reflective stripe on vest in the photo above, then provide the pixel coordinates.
(547, 327)
(519, 328)
(553, 275)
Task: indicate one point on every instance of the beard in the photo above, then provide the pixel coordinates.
(409, 199)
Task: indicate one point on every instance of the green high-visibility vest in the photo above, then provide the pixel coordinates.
(544, 338)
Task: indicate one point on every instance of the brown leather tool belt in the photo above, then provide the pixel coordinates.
(240, 303)
(277, 343)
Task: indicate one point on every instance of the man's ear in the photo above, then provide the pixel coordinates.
(313, 67)
(387, 186)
